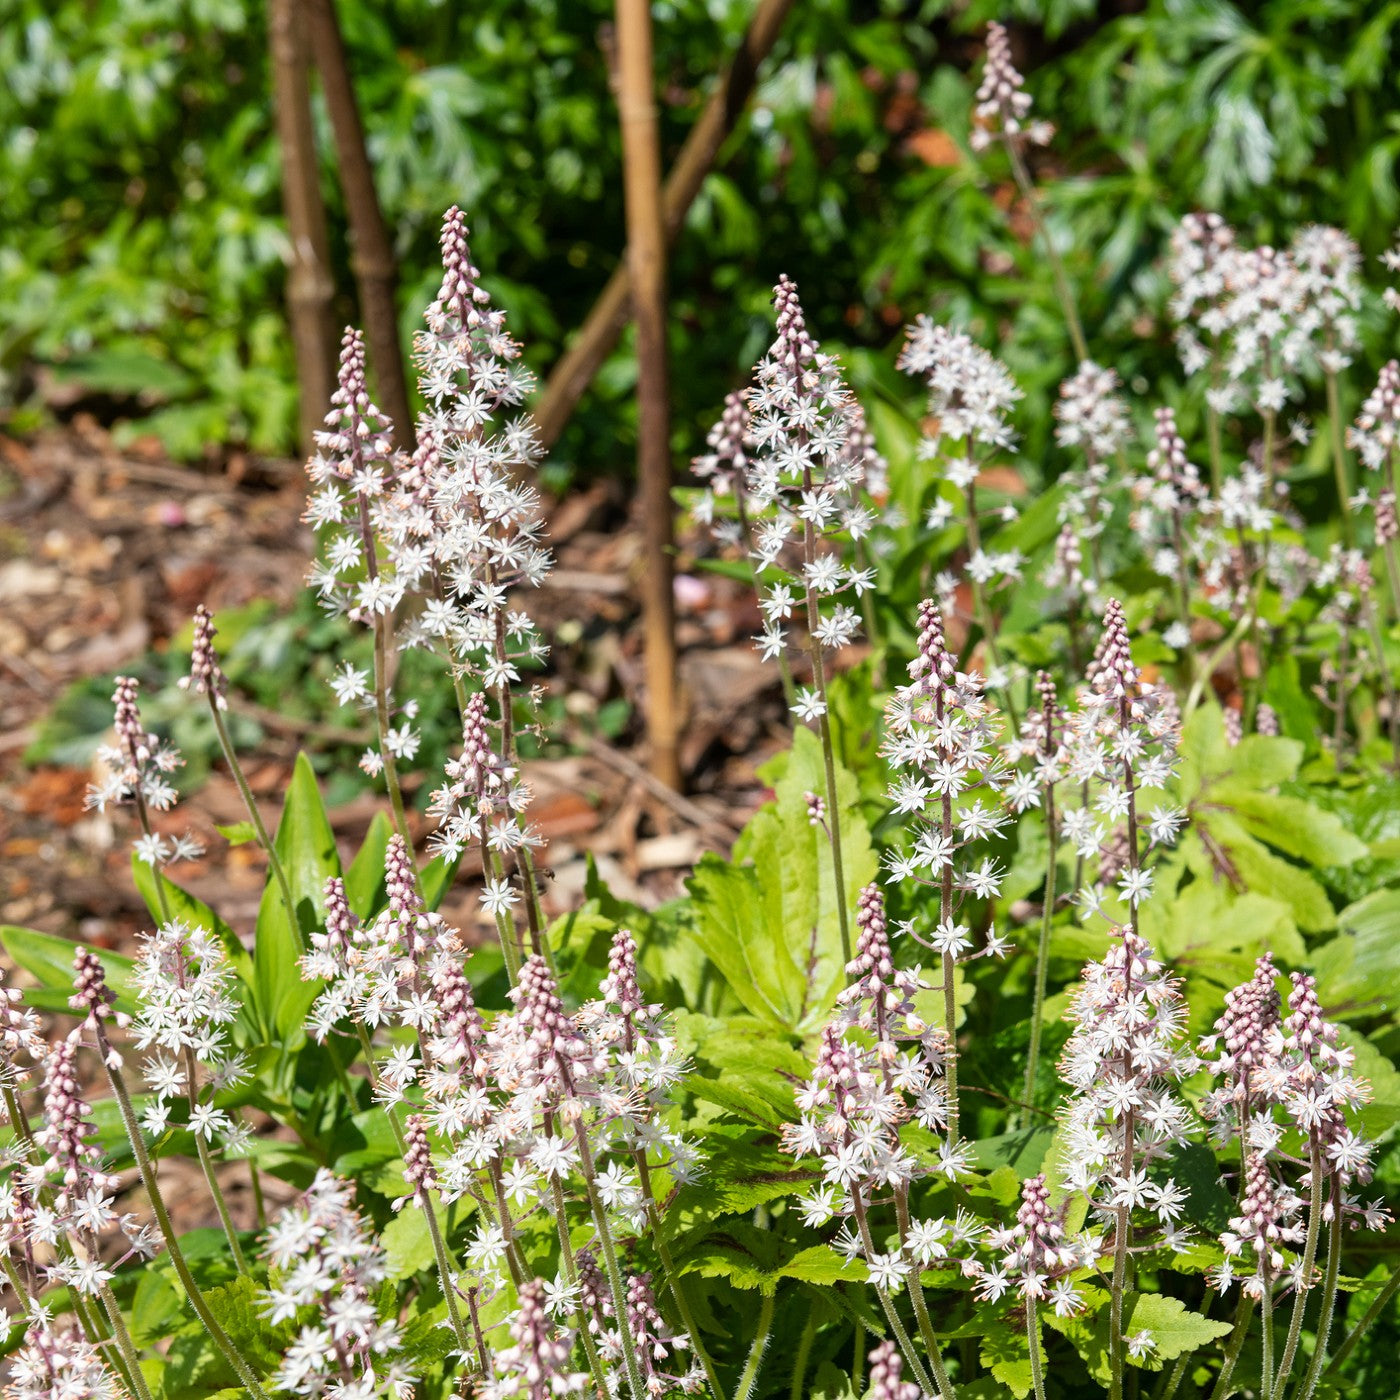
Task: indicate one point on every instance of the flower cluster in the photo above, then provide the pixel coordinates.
(940, 741)
(1123, 1057)
(1003, 105)
(183, 981)
(798, 468)
(327, 1270)
(138, 768)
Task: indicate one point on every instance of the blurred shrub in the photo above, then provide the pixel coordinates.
(141, 253)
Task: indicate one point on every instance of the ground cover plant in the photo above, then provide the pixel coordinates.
(1037, 1037)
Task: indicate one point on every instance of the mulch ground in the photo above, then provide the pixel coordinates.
(104, 555)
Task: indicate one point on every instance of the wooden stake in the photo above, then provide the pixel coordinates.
(371, 248)
(605, 322)
(646, 259)
(310, 286)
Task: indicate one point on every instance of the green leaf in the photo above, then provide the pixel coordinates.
(1234, 854)
(1006, 1352)
(823, 1265)
(236, 1307)
(436, 879)
(306, 845)
(1174, 1327)
(364, 880)
(1292, 825)
(49, 960)
(238, 833)
(408, 1243)
(768, 920)
(1358, 974)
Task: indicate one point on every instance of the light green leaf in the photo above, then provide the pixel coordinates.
(364, 880)
(1292, 825)
(49, 960)
(408, 1243)
(769, 919)
(238, 833)
(306, 845)
(1007, 1354)
(1174, 1327)
(1252, 865)
(1358, 973)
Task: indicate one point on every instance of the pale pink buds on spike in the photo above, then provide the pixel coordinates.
(400, 880)
(1003, 104)
(934, 664)
(536, 1367)
(1114, 672)
(816, 808)
(90, 991)
(887, 1375)
(418, 1169)
(205, 676)
(459, 294)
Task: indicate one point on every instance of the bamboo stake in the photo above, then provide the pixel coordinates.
(646, 261)
(371, 248)
(604, 324)
(310, 286)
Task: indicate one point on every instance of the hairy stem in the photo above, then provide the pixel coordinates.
(833, 807)
(1305, 1271)
(1033, 1340)
(673, 1280)
(265, 841)
(762, 1336)
(1243, 1313)
(1329, 1299)
(1379, 1303)
(614, 1273)
(444, 1268)
(1042, 956)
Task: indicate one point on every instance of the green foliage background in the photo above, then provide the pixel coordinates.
(141, 249)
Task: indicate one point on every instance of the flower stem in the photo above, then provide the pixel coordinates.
(1052, 254)
(906, 1346)
(449, 1289)
(1305, 1271)
(206, 1163)
(1329, 1299)
(833, 807)
(1243, 1313)
(605, 1240)
(1042, 956)
(123, 1339)
(1339, 457)
(749, 1378)
(1033, 1339)
(673, 1281)
(172, 1244)
(566, 1251)
(802, 1357)
(269, 848)
(1266, 1322)
(1379, 1303)
(916, 1296)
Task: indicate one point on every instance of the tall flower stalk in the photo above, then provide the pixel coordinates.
(810, 455)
